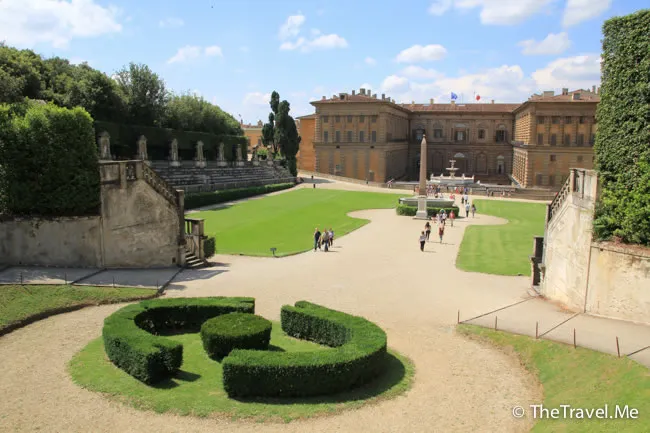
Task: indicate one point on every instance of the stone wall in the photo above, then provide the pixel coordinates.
(141, 225)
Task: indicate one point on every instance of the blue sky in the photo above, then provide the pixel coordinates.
(234, 53)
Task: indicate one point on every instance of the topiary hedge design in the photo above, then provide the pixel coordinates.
(406, 210)
(131, 337)
(222, 334)
(622, 145)
(358, 355)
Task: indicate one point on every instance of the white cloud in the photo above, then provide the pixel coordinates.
(188, 52)
(370, 61)
(577, 11)
(554, 43)
(416, 72)
(257, 98)
(323, 42)
(213, 50)
(419, 53)
(171, 23)
(26, 23)
(504, 12)
(579, 72)
(439, 7)
(291, 26)
(394, 83)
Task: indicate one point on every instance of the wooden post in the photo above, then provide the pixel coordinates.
(495, 322)
(574, 338)
(536, 330)
(458, 319)
(618, 348)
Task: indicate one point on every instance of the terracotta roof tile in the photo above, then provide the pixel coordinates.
(585, 96)
(485, 108)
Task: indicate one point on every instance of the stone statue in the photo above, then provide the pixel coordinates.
(240, 161)
(105, 146)
(142, 148)
(173, 154)
(200, 159)
(221, 159)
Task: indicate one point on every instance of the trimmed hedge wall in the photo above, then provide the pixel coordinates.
(220, 335)
(622, 145)
(406, 210)
(124, 142)
(209, 247)
(130, 338)
(358, 355)
(48, 161)
(200, 199)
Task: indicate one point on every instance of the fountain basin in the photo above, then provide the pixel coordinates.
(431, 202)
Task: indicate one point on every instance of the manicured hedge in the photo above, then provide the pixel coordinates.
(200, 199)
(406, 210)
(622, 145)
(209, 247)
(48, 160)
(130, 334)
(357, 355)
(220, 335)
(124, 142)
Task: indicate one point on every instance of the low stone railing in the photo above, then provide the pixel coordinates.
(582, 182)
(195, 237)
(159, 184)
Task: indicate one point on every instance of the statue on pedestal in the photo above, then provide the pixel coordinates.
(104, 142)
(200, 159)
(142, 149)
(221, 159)
(173, 154)
(240, 161)
(254, 158)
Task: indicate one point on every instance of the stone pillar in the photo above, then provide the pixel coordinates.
(240, 161)
(104, 142)
(576, 122)
(200, 159)
(142, 149)
(422, 198)
(173, 154)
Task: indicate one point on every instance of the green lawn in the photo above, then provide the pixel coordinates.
(581, 378)
(287, 221)
(198, 388)
(18, 303)
(502, 249)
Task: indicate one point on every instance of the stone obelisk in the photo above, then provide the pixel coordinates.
(422, 198)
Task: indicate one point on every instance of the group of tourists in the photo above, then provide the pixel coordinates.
(441, 219)
(323, 240)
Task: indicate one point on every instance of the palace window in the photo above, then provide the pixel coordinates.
(581, 120)
(580, 158)
(538, 180)
(362, 137)
(337, 119)
(553, 139)
(540, 120)
(326, 137)
(592, 139)
(552, 158)
(459, 136)
(374, 136)
(567, 139)
(481, 134)
(501, 136)
(326, 119)
(349, 118)
(581, 139)
(349, 136)
(373, 119)
(437, 133)
(567, 120)
(555, 120)
(540, 139)
(362, 119)
(338, 137)
(551, 180)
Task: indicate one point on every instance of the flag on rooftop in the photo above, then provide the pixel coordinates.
(454, 96)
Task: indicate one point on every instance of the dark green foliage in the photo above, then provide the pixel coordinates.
(222, 334)
(49, 161)
(124, 142)
(145, 92)
(623, 141)
(200, 199)
(281, 133)
(193, 113)
(131, 343)
(357, 356)
(209, 247)
(406, 210)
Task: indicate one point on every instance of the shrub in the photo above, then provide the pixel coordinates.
(130, 338)
(622, 146)
(262, 153)
(224, 333)
(357, 355)
(406, 210)
(209, 247)
(200, 199)
(52, 167)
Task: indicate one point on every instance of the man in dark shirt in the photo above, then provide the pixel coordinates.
(317, 235)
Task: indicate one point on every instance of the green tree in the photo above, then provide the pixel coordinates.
(622, 145)
(286, 135)
(146, 94)
(193, 113)
(269, 134)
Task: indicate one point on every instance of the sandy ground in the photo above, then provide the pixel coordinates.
(377, 271)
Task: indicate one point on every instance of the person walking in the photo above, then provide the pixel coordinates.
(452, 217)
(317, 235)
(444, 217)
(423, 239)
(467, 210)
(441, 231)
(331, 233)
(326, 240)
(427, 230)
(473, 210)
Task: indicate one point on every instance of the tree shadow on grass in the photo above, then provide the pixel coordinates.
(180, 376)
(394, 373)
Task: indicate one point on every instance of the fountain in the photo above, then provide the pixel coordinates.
(452, 180)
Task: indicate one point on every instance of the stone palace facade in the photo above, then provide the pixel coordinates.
(531, 145)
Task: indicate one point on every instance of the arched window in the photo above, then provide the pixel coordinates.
(501, 165)
(501, 134)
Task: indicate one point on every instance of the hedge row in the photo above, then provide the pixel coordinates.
(220, 335)
(130, 334)
(200, 199)
(209, 247)
(622, 145)
(358, 355)
(124, 140)
(406, 210)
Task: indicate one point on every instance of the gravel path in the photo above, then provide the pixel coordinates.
(376, 271)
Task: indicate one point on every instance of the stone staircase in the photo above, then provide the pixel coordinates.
(194, 179)
(193, 262)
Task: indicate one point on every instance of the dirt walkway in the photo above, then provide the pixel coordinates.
(376, 271)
